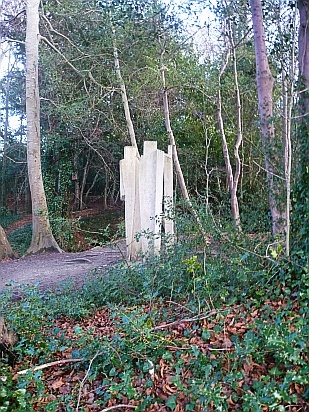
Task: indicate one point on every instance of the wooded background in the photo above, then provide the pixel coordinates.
(230, 94)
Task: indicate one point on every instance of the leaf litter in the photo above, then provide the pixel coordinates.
(173, 377)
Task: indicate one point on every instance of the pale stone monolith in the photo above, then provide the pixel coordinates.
(129, 192)
(168, 221)
(146, 186)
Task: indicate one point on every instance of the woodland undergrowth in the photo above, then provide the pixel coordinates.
(216, 328)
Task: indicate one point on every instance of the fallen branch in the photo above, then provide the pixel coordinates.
(84, 380)
(48, 365)
(194, 319)
(111, 408)
(207, 347)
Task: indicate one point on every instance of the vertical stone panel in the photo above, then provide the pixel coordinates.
(168, 193)
(151, 195)
(129, 191)
(144, 184)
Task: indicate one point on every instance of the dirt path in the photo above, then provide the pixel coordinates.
(49, 270)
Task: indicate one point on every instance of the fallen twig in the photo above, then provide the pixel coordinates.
(207, 347)
(111, 408)
(194, 319)
(84, 379)
(178, 304)
(47, 365)
(178, 348)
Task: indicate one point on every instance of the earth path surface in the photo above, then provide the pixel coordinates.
(50, 270)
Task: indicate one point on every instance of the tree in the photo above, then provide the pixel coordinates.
(123, 90)
(301, 206)
(265, 83)
(6, 250)
(232, 178)
(42, 237)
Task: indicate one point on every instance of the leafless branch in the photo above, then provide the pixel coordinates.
(48, 365)
(193, 319)
(115, 407)
(84, 380)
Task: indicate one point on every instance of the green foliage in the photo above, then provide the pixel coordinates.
(255, 215)
(84, 131)
(12, 398)
(7, 217)
(64, 231)
(136, 294)
(20, 239)
(275, 338)
(102, 229)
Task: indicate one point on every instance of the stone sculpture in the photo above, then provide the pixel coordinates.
(146, 186)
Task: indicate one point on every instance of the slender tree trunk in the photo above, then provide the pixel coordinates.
(226, 155)
(6, 250)
(239, 138)
(265, 84)
(207, 171)
(286, 137)
(303, 51)
(232, 178)
(301, 207)
(124, 96)
(83, 183)
(42, 238)
(76, 204)
(287, 86)
(5, 136)
(178, 169)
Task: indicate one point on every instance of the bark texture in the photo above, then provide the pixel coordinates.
(301, 206)
(42, 238)
(265, 83)
(6, 250)
(7, 340)
(303, 49)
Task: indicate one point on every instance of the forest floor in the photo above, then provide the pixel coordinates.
(156, 355)
(49, 271)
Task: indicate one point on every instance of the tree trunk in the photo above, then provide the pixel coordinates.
(5, 135)
(178, 169)
(6, 250)
(301, 208)
(265, 84)
(124, 96)
(303, 50)
(232, 178)
(287, 150)
(76, 203)
(42, 238)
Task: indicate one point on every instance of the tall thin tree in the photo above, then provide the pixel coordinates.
(265, 83)
(42, 237)
(176, 162)
(301, 206)
(232, 178)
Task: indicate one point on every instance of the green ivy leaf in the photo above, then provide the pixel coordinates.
(171, 402)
